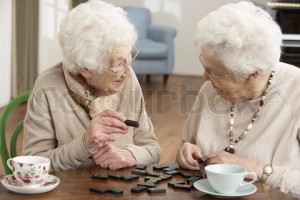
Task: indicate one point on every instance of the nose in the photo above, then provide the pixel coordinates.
(128, 72)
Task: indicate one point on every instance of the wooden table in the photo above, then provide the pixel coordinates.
(75, 184)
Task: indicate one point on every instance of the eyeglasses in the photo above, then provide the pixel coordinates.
(121, 66)
(209, 73)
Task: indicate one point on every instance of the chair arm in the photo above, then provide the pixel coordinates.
(164, 34)
(161, 33)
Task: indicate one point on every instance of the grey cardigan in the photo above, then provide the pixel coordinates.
(54, 124)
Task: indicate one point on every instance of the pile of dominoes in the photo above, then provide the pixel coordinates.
(151, 179)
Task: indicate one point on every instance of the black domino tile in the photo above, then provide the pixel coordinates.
(115, 176)
(170, 169)
(199, 174)
(183, 187)
(147, 184)
(186, 174)
(130, 177)
(157, 190)
(172, 172)
(176, 182)
(100, 177)
(139, 172)
(192, 179)
(160, 166)
(141, 167)
(114, 191)
(138, 189)
(98, 190)
(154, 174)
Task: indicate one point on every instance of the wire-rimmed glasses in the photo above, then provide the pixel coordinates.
(209, 73)
(121, 67)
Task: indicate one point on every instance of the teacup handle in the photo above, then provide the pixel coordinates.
(9, 163)
(250, 173)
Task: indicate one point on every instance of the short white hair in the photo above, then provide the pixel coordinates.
(89, 33)
(243, 37)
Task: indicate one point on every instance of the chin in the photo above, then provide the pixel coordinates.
(117, 88)
(223, 95)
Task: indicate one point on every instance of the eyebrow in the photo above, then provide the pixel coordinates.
(210, 70)
(204, 66)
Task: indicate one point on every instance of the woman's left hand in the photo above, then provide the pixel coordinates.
(223, 157)
(109, 156)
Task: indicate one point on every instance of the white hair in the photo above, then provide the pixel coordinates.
(243, 37)
(89, 33)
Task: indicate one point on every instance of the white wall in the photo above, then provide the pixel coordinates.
(180, 14)
(5, 50)
(51, 12)
(184, 16)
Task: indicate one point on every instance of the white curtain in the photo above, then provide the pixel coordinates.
(24, 45)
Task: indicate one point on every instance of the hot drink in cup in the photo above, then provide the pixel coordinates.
(29, 170)
(226, 179)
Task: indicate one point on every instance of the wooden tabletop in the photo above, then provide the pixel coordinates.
(75, 184)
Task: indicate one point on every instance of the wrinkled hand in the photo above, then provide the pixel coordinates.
(223, 157)
(188, 156)
(109, 156)
(102, 125)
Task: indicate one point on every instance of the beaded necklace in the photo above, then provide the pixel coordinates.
(230, 148)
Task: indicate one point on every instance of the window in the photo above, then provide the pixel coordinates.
(52, 11)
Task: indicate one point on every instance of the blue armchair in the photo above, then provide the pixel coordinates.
(155, 42)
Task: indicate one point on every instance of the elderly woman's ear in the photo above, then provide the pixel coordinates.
(84, 72)
(253, 77)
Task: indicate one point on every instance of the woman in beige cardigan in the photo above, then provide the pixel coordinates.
(76, 112)
(248, 111)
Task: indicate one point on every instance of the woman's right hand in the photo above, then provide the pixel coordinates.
(188, 156)
(102, 126)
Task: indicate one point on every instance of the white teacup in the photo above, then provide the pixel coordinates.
(29, 170)
(225, 179)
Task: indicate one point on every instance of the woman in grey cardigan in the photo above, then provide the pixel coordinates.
(76, 112)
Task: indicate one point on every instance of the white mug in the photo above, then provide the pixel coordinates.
(29, 170)
(226, 179)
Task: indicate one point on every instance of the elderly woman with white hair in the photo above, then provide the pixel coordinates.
(76, 112)
(248, 111)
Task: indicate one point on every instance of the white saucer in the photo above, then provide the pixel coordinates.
(10, 183)
(204, 186)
